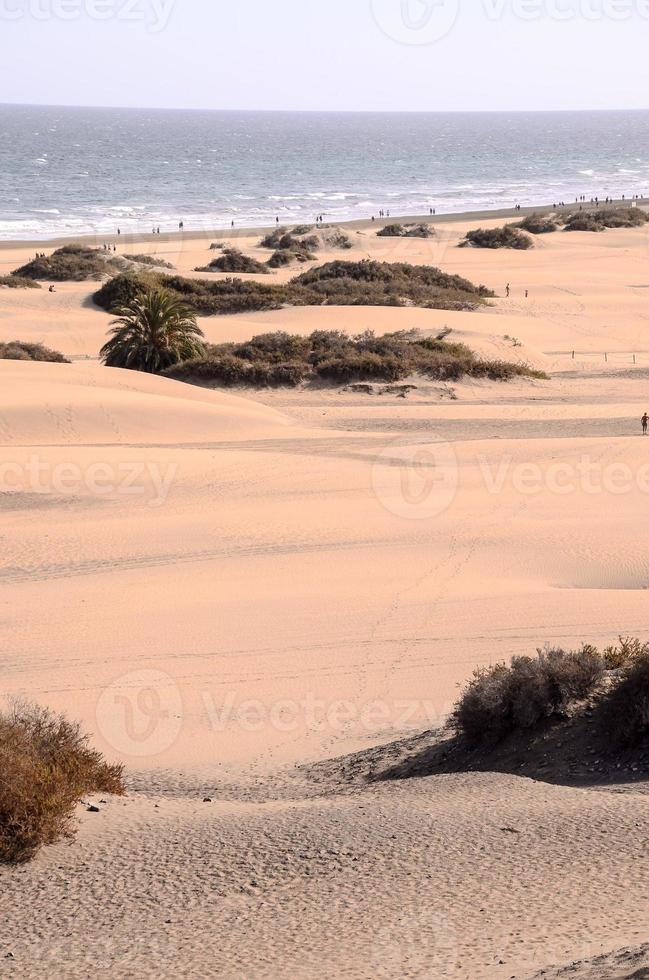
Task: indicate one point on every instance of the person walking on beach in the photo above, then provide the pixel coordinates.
(507, 290)
(645, 423)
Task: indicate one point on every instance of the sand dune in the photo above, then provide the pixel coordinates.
(221, 586)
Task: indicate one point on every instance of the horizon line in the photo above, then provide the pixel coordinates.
(421, 112)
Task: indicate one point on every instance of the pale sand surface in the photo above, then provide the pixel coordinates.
(303, 574)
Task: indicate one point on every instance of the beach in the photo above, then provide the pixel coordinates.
(231, 588)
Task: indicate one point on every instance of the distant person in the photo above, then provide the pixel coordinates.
(527, 293)
(51, 289)
(645, 423)
(507, 290)
(119, 231)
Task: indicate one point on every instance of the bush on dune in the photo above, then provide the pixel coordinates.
(72, 263)
(149, 260)
(336, 238)
(608, 691)
(288, 246)
(279, 259)
(206, 298)
(370, 283)
(18, 350)
(502, 699)
(332, 356)
(19, 282)
(507, 237)
(537, 224)
(406, 231)
(47, 766)
(624, 713)
(232, 260)
(337, 283)
(604, 218)
(229, 370)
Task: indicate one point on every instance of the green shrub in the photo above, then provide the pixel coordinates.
(406, 231)
(623, 714)
(503, 699)
(602, 218)
(232, 260)
(338, 283)
(72, 263)
(280, 259)
(584, 222)
(229, 370)
(19, 282)
(46, 765)
(333, 356)
(276, 347)
(369, 283)
(537, 224)
(627, 650)
(507, 237)
(19, 350)
(336, 238)
(149, 260)
(360, 366)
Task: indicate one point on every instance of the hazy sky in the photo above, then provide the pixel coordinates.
(329, 54)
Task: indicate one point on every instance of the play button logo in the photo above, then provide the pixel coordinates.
(416, 22)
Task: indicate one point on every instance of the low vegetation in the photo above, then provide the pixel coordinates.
(502, 699)
(624, 713)
(336, 238)
(369, 283)
(506, 237)
(18, 282)
(47, 765)
(18, 350)
(72, 263)
(603, 218)
(149, 260)
(611, 686)
(232, 260)
(333, 357)
(537, 224)
(288, 246)
(406, 231)
(338, 283)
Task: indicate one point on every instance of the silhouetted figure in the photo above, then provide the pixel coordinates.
(645, 423)
(507, 290)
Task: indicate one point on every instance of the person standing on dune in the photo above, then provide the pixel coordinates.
(645, 423)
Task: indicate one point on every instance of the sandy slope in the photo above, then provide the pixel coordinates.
(221, 586)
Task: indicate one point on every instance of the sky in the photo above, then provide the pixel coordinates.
(375, 55)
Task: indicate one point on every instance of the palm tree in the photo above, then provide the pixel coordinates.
(151, 333)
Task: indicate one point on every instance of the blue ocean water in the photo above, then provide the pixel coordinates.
(67, 171)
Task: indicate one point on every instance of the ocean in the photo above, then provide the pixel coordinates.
(70, 171)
